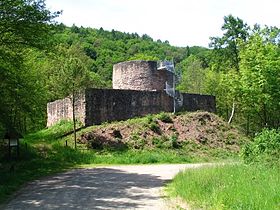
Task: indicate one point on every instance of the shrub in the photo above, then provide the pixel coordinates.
(164, 117)
(158, 142)
(136, 141)
(149, 118)
(174, 141)
(155, 127)
(265, 147)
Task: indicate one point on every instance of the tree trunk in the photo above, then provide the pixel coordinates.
(232, 113)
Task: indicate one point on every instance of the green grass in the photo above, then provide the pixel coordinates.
(236, 186)
(50, 134)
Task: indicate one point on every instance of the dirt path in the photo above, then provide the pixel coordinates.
(112, 187)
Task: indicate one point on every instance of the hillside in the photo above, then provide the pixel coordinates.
(194, 132)
(106, 48)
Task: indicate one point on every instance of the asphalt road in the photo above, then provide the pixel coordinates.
(112, 187)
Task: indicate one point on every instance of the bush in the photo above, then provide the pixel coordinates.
(149, 118)
(136, 141)
(174, 141)
(164, 117)
(265, 147)
(158, 142)
(155, 127)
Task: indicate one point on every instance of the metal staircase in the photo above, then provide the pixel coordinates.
(170, 89)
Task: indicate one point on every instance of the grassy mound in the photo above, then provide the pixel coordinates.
(196, 132)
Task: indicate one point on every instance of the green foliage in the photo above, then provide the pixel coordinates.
(226, 49)
(24, 23)
(264, 148)
(164, 117)
(149, 118)
(228, 187)
(25, 26)
(164, 142)
(136, 141)
(107, 48)
(174, 141)
(143, 57)
(69, 71)
(259, 78)
(154, 127)
(193, 75)
(152, 124)
(244, 70)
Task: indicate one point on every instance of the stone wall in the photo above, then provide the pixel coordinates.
(95, 106)
(111, 105)
(62, 110)
(139, 75)
(194, 102)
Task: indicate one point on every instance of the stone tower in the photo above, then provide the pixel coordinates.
(140, 75)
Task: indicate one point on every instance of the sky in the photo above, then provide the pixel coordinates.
(181, 22)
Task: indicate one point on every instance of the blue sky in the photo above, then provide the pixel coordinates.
(181, 22)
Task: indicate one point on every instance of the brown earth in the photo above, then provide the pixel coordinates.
(165, 130)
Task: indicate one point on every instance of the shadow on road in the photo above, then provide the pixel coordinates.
(99, 188)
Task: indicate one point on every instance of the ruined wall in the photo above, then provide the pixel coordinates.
(110, 105)
(139, 75)
(194, 102)
(95, 106)
(62, 110)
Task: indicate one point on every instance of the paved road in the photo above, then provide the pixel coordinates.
(112, 187)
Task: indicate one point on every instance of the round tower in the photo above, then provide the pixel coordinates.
(139, 75)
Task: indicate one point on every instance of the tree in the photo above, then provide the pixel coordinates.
(226, 47)
(260, 79)
(24, 24)
(70, 74)
(193, 75)
(225, 58)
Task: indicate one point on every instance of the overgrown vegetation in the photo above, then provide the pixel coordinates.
(264, 149)
(254, 185)
(166, 131)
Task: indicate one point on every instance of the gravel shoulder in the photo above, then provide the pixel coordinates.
(109, 187)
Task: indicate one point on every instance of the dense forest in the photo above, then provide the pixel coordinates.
(41, 61)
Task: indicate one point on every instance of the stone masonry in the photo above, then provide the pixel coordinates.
(62, 110)
(139, 75)
(138, 90)
(105, 105)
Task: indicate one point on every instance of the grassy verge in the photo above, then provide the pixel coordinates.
(229, 187)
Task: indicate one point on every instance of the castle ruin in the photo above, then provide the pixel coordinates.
(139, 88)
